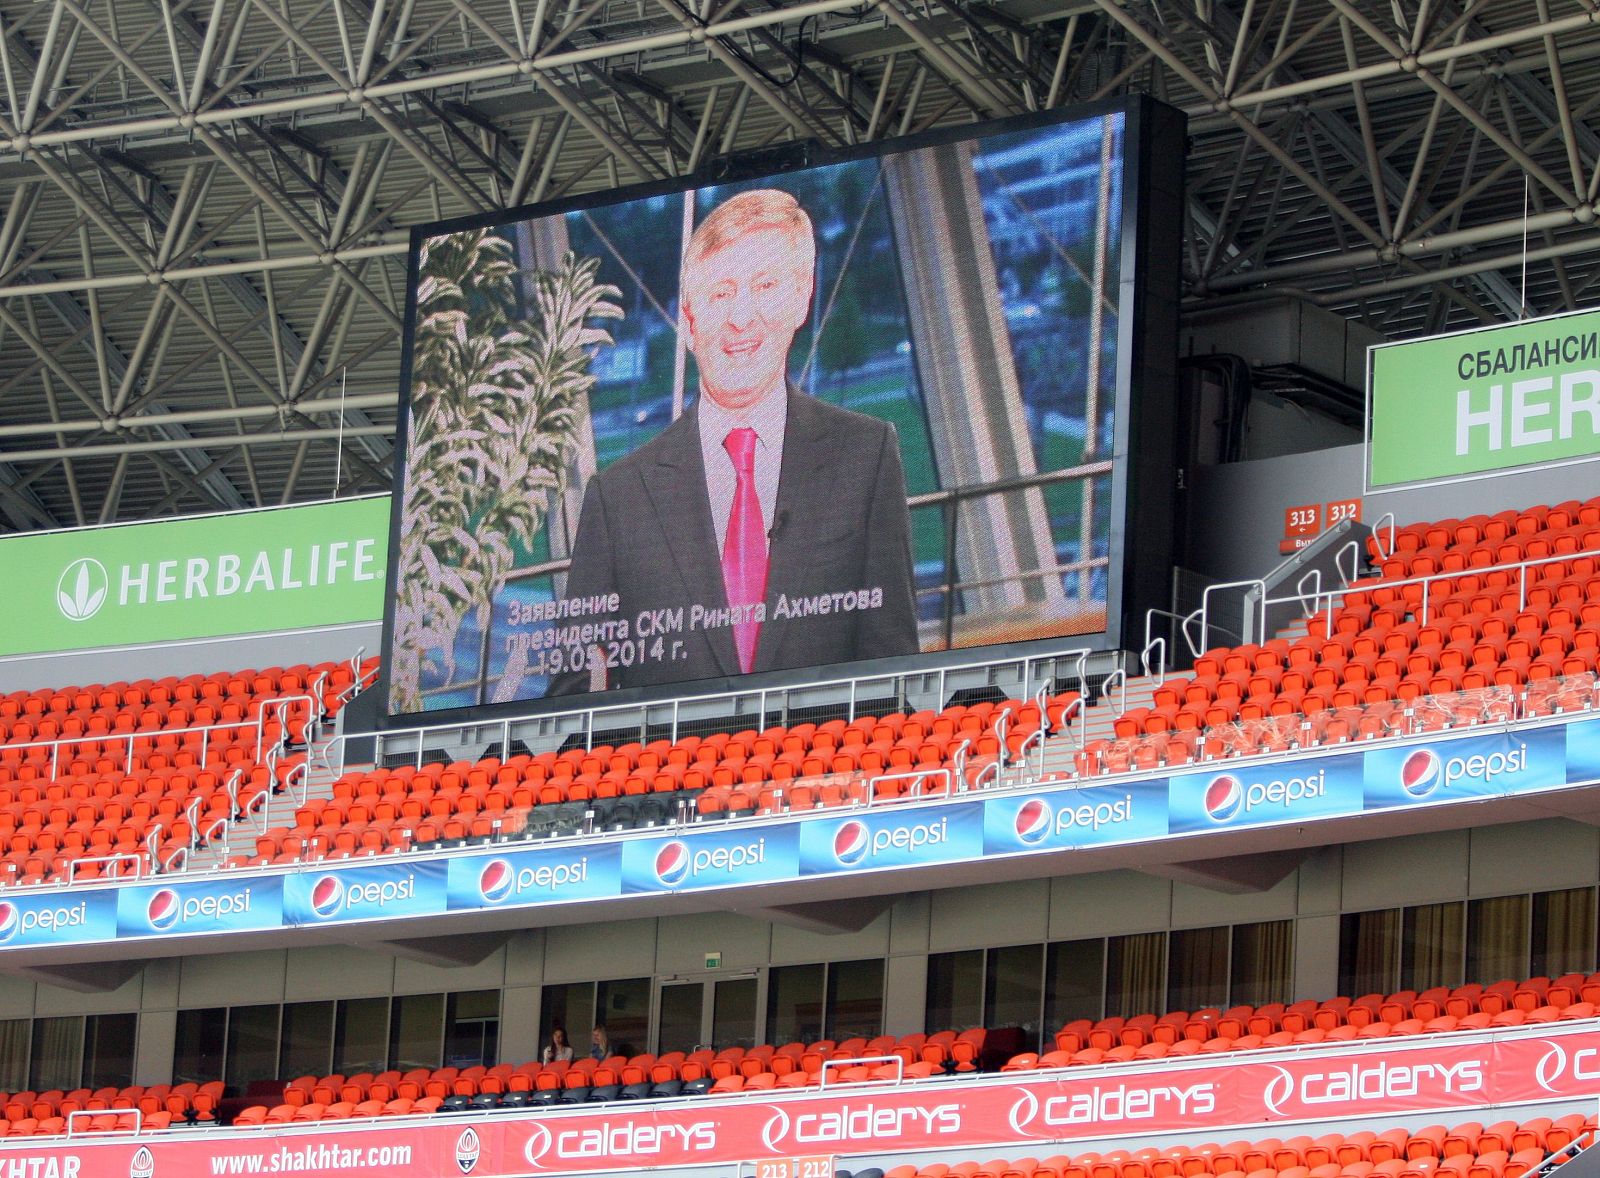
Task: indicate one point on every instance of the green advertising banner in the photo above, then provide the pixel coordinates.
(1454, 406)
(250, 572)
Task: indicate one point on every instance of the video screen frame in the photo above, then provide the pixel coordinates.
(1143, 479)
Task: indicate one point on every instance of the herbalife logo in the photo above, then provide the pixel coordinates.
(81, 591)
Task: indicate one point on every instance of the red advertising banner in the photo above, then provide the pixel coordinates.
(1386, 1077)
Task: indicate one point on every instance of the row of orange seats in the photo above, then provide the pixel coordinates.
(390, 810)
(97, 1123)
(1504, 1149)
(175, 1100)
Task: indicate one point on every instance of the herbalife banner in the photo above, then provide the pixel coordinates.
(1457, 406)
(252, 572)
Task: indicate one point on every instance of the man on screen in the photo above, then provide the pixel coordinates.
(761, 507)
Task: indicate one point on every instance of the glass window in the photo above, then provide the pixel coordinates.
(1369, 952)
(1014, 988)
(198, 1045)
(415, 1030)
(253, 1046)
(794, 1004)
(1136, 973)
(955, 991)
(624, 1007)
(472, 1028)
(1197, 967)
(855, 1000)
(1563, 933)
(1431, 937)
(733, 1013)
(570, 1006)
(108, 1044)
(15, 1038)
(57, 1053)
(307, 1039)
(1074, 984)
(1263, 963)
(361, 1036)
(1497, 939)
(682, 1012)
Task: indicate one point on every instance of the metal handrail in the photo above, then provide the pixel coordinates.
(138, 862)
(1521, 567)
(917, 775)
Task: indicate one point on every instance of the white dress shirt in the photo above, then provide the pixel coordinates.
(768, 418)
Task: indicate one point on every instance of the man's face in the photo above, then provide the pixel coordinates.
(743, 305)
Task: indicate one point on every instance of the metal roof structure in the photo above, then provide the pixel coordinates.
(206, 202)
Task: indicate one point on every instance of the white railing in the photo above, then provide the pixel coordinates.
(78, 1114)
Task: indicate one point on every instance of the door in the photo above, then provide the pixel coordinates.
(716, 1014)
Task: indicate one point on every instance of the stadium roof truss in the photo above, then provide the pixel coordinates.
(204, 204)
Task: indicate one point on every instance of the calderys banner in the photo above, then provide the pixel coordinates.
(247, 572)
(1469, 766)
(1454, 406)
(1441, 1074)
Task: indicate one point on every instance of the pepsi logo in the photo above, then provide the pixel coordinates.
(1421, 774)
(326, 896)
(163, 909)
(467, 1150)
(850, 842)
(10, 921)
(497, 880)
(1224, 797)
(143, 1163)
(672, 863)
(1033, 820)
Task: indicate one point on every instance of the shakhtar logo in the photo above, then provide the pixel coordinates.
(1224, 797)
(672, 863)
(1421, 774)
(1033, 820)
(497, 880)
(850, 842)
(143, 1164)
(164, 910)
(82, 589)
(467, 1150)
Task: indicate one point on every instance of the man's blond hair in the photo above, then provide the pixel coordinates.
(760, 208)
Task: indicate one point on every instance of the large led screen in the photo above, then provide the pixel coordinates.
(861, 411)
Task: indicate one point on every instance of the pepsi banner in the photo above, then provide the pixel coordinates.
(1261, 794)
(1545, 1070)
(1098, 815)
(1583, 751)
(54, 918)
(547, 876)
(1487, 766)
(378, 891)
(231, 904)
(892, 837)
(726, 858)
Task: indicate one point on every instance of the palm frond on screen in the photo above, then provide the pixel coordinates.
(495, 400)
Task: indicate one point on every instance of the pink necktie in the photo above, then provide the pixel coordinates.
(744, 548)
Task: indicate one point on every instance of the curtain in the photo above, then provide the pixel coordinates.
(1431, 950)
(1263, 963)
(1497, 939)
(1197, 968)
(57, 1053)
(1563, 932)
(1369, 952)
(1136, 968)
(15, 1034)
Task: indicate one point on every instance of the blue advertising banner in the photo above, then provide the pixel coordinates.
(885, 838)
(545, 876)
(1094, 816)
(1484, 766)
(712, 859)
(1583, 751)
(212, 906)
(53, 920)
(376, 891)
(1255, 795)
